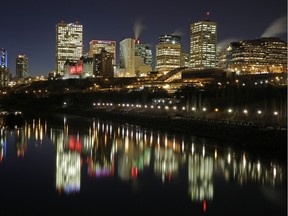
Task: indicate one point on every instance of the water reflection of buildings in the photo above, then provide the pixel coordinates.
(101, 161)
(133, 153)
(126, 150)
(2, 144)
(200, 176)
(20, 142)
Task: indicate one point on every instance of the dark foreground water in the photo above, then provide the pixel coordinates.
(78, 166)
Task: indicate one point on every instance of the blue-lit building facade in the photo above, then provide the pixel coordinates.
(4, 71)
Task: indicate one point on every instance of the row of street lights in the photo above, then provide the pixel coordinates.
(175, 108)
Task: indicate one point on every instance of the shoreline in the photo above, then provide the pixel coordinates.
(259, 141)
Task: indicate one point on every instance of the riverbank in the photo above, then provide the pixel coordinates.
(266, 142)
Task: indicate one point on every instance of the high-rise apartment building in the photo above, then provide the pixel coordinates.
(127, 57)
(69, 44)
(203, 42)
(255, 56)
(168, 53)
(21, 67)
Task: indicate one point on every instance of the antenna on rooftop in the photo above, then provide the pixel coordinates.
(207, 15)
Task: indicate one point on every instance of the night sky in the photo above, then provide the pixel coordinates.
(28, 26)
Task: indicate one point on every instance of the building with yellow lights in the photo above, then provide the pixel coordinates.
(263, 55)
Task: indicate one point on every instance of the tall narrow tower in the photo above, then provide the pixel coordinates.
(203, 42)
(69, 44)
(3, 58)
(127, 56)
(4, 71)
(21, 67)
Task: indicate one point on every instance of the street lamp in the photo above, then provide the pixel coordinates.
(276, 115)
(259, 114)
(216, 111)
(229, 112)
(194, 110)
(204, 110)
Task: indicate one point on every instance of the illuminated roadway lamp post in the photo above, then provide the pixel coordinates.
(229, 113)
(194, 111)
(259, 114)
(245, 111)
(216, 112)
(276, 116)
(204, 112)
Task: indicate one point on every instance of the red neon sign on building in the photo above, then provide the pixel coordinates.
(76, 70)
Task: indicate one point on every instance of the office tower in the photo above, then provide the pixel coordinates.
(4, 71)
(4, 59)
(168, 53)
(263, 55)
(96, 47)
(185, 60)
(69, 44)
(203, 41)
(143, 59)
(143, 50)
(127, 57)
(102, 64)
(21, 67)
(87, 66)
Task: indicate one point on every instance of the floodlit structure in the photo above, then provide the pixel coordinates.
(69, 44)
(203, 42)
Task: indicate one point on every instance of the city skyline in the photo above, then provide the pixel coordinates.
(34, 36)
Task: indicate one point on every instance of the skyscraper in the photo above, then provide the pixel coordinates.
(103, 66)
(69, 44)
(4, 59)
(21, 67)
(4, 71)
(168, 53)
(143, 50)
(96, 47)
(203, 41)
(127, 57)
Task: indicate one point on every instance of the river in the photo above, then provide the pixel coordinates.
(67, 164)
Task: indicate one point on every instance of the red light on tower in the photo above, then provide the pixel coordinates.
(137, 41)
(204, 206)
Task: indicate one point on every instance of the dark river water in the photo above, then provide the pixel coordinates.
(78, 166)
